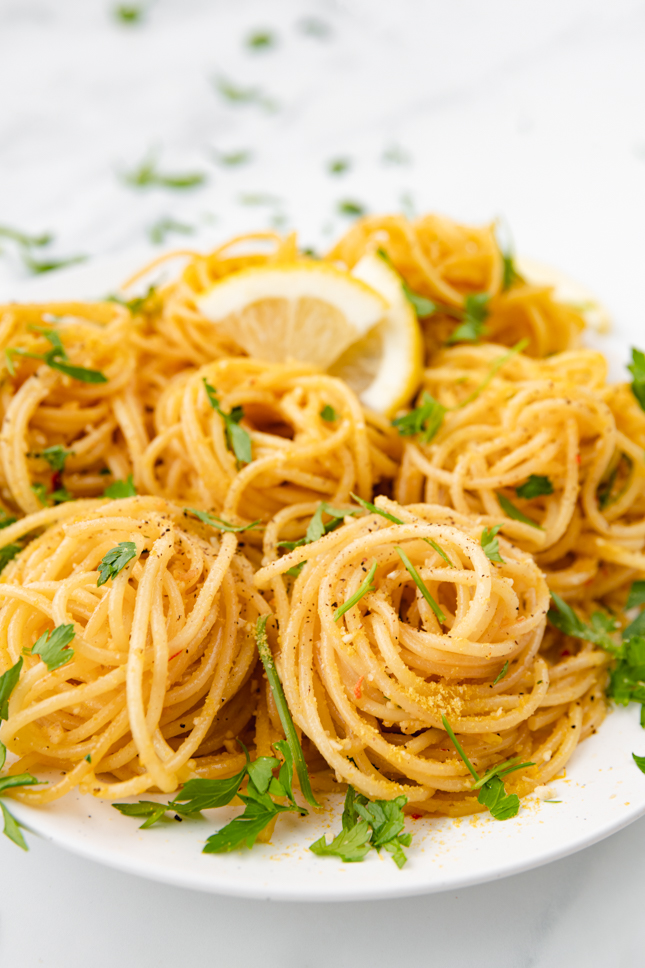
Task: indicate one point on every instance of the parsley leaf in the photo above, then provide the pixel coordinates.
(536, 486)
(374, 510)
(40, 491)
(366, 824)
(56, 455)
(636, 595)
(512, 512)
(510, 274)
(8, 682)
(11, 825)
(165, 226)
(6, 519)
(56, 358)
(120, 489)
(197, 795)
(338, 166)
(233, 158)
(351, 208)
(328, 413)
(283, 710)
(237, 437)
(7, 554)
(565, 619)
(24, 240)
(639, 761)
(214, 522)
(492, 793)
(316, 529)
(490, 544)
(475, 314)
(425, 420)
(261, 40)
(501, 674)
(637, 369)
(40, 266)
(423, 307)
(128, 14)
(150, 809)
(53, 647)
(115, 561)
(365, 587)
(147, 175)
(419, 582)
(244, 95)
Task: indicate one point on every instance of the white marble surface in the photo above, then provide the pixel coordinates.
(533, 110)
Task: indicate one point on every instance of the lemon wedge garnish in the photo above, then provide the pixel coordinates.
(309, 312)
(385, 367)
(566, 290)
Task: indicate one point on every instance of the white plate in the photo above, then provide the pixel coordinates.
(602, 792)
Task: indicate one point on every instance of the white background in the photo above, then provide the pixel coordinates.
(533, 111)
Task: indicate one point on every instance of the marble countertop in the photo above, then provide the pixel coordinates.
(530, 111)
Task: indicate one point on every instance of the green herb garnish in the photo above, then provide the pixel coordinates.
(237, 437)
(120, 489)
(374, 510)
(25, 240)
(127, 14)
(40, 266)
(366, 824)
(53, 646)
(147, 175)
(232, 159)
(115, 561)
(283, 710)
(492, 793)
(138, 304)
(636, 595)
(8, 553)
(512, 512)
(214, 522)
(8, 682)
(423, 307)
(244, 95)
(166, 226)
(365, 587)
(56, 358)
(56, 455)
(261, 40)
(501, 674)
(338, 166)
(328, 413)
(11, 825)
(536, 486)
(490, 544)
(351, 208)
(419, 582)
(475, 315)
(637, 369)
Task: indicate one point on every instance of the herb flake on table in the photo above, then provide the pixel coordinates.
(260, 40)
(168, 226)
(339, 166)
(237, 95)
(148, 175)
(351, 208)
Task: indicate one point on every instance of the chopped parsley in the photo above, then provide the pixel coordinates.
(127, 14)
(237, 95)
(372, 508)
(501, 673)
(338, 166)
(328, 414)
(475, 314)
(138, 304)
(232, 159)
(8, 682)
(637, 369)
(147, 175)
(377, 824)
(490, 544)
(25, 240)
(421, 585)
(351, 208)
(214, 522)
(115, 561)
(237, 437)
(8, 553)
(40, 266)
(121, 489)
(513, 512)
(56, 358)
(166, 226)
(535, 486)
(261, 40)
(365, 587)
(492, 793)
(56, 455)
(423, 307)
(53, 646)
(11, 825)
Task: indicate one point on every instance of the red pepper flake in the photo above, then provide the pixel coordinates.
(577, 458)
(357, 688)
(175, 655)
(416, 816)
(564, 653)
(57, 480)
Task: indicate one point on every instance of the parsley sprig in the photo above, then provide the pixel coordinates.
(367, 825)
(426, 419)
(492, 793)
(56, 359)
(237, 437)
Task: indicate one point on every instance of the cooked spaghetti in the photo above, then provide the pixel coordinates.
(249, 486)
(370, 690)
(161, 657)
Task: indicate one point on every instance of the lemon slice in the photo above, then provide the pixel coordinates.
(385, 367)
(310, 312)
(566, 290)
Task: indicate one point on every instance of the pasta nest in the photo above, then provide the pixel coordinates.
(370, 687)
(161, 656)
(297, 454)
